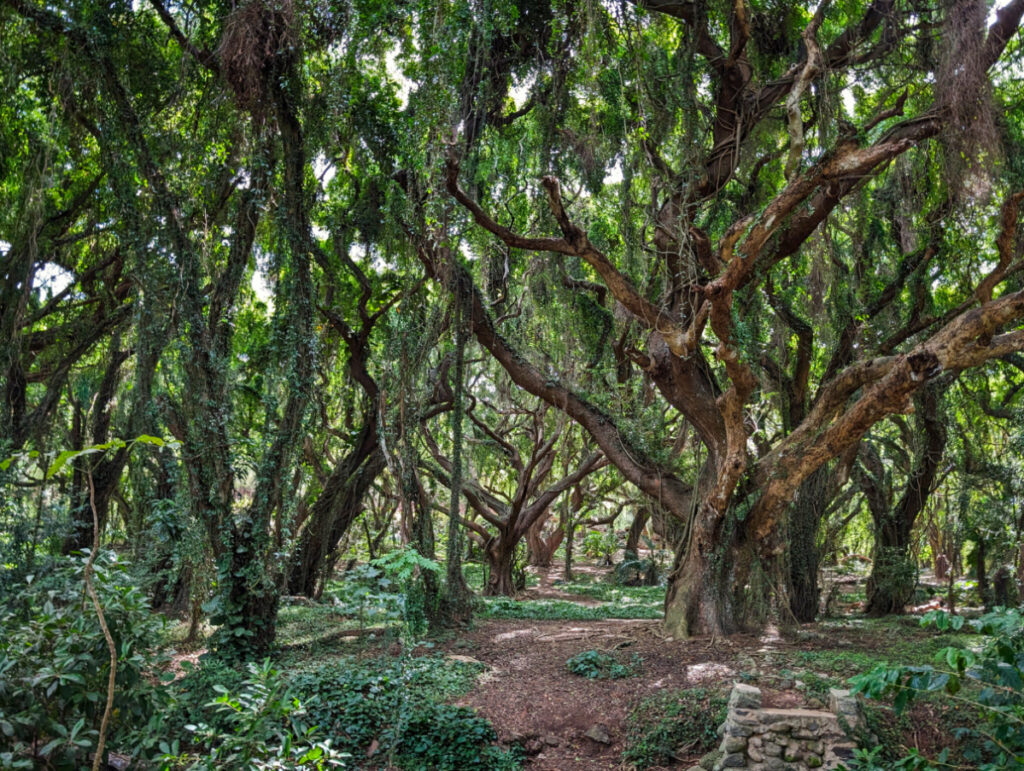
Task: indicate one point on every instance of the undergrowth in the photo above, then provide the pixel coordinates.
(504, 607)
(601, 665)
(673, 725)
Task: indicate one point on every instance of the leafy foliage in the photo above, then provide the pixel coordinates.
(54, 666)
(601, 665)
(395, 708)
(990, 681)
(504, 607)
(261, 726)
(672, 724)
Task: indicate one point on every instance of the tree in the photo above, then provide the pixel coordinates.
(713, 246)
(527, 440)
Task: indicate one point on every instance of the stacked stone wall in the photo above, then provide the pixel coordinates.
(760, 739)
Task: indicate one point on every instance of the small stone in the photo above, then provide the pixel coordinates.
(755, 754)
(813, 761)
(551, 740)
(815, 704)
(599, 734)
(772, 749)
(744, 696)
(708, 761)
(532, 747)
(845, 751)
(739, 730)
(734, 744)
(737, 760)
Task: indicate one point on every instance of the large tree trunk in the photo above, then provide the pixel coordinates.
(805, 517)
(500, 558)
(337, 506)
(636, 529)
(893, 573)
(700, 597)
(249, 623)
(542, 548)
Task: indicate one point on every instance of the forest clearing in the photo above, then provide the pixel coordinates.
(497, 384)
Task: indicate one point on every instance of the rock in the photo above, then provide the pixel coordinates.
(532, 747)
(734, 744)
(551, 740)
(737, 760)
(599, 733)
(708, 761)
(744, 696)
(466, 660)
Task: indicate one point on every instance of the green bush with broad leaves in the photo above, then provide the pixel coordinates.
(261, 725)
(54, 665)
(600, 546)
(601, 665)
(987, 683)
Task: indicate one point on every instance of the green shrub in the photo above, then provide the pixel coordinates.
(989, 683)
(262, 726)
(634, 571)
(54, 666)
(385, 591)
(673, 724)
(599, 665)
(396, 707)
(600, 546)
(505, 607)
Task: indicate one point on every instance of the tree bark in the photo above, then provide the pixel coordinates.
(500, 560)
(542, 548)
(893, 574)
(636, 529)
(335, 509)
(700, 597)
(805, 517)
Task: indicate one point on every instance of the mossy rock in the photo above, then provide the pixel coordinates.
(708, 761)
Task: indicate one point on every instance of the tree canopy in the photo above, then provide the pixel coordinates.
(444, 269)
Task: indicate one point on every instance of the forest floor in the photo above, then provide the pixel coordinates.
(566, 722)
(563, 721)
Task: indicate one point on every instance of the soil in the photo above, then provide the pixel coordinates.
(532, 699)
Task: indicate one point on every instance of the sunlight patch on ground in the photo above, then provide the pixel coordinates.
(770, 638)
(514, 634)
(708, 670)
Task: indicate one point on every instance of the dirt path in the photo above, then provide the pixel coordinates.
(531, 697)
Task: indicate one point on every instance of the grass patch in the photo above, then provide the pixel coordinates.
(608, 592)
(563, 610)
